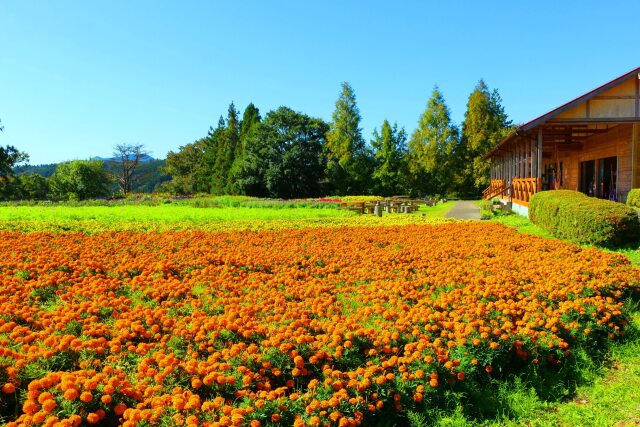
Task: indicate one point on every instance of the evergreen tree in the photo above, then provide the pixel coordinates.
(250, 119)
(225, 143)
(249, 125)
(432, 149)
(390, 146)
(349, 160)
(485, 124)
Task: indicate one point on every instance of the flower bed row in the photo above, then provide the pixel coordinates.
(299, 327)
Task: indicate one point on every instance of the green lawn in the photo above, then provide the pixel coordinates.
(177, 216)
(167, 213)
(139, 217)
(439, 210)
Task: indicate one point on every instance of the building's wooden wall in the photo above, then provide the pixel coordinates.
(616, 142)
(617, 102)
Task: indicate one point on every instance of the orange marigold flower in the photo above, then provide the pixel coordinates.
(92, 418)
(71, 394)
(49, 405)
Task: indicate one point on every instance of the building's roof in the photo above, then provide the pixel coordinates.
(561, 109)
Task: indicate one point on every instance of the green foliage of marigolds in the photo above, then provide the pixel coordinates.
(633, 198)
(573, 216)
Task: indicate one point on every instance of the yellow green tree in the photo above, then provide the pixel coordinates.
(349, 158)
(432, 149)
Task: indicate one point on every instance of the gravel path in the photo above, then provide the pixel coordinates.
(465, 209)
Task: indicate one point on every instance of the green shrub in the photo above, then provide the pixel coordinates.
(573, 216)
(485, 210)
(633, 198)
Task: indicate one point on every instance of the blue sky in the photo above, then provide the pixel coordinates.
(79, 77)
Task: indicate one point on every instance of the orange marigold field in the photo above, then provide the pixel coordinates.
(325, 326)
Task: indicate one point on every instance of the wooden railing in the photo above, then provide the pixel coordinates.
(524, 188)
(496, 188)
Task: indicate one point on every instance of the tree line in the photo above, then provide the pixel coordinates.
(288, 154)
(77, 179)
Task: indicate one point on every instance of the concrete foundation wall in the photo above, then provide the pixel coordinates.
(516, 208)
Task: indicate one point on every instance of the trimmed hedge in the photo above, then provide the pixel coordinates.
(573, 216)
(633, 198)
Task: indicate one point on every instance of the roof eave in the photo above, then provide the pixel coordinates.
(527, 127)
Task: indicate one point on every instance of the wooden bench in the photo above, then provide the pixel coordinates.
(353, 206)
(394, 205)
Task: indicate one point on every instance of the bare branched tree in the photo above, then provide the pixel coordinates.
(128, 156)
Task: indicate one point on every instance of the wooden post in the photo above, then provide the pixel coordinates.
(528, 154)
(527, 162)
(522, 159)
(539, 156)
(512, 162)
(525, 156)
(557, 166)
(517, 161)
(512, 165)
(635, 156)
(531, 156)
(532, 153)
(521, 162)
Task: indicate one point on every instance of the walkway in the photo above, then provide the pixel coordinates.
(465, 209)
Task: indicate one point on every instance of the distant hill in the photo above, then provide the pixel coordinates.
(44, 170)
(148, 175)
(143, 159)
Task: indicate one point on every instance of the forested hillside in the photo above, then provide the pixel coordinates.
(148, 174)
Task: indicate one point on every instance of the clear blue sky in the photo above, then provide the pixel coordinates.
(78, 77)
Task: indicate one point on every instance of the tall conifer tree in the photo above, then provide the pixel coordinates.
(485, 124)
(349, 161)
(249, 125)
(432, 149)
(390, 146)
(227, 140)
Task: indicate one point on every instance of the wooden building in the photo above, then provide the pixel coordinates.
(590, 144)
